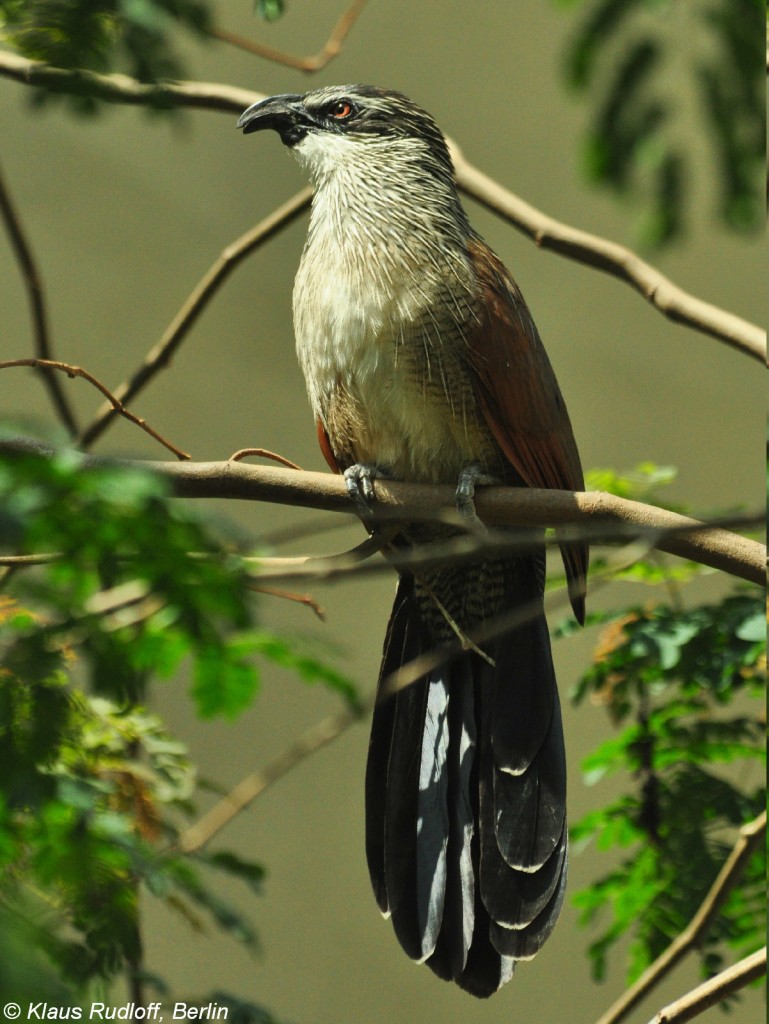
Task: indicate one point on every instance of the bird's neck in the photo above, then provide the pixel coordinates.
(388, 201)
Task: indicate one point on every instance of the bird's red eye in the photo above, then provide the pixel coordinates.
(341, 110)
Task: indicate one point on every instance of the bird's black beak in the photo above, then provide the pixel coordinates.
(285, 114)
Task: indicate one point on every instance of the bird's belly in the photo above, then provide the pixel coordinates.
(393, 396)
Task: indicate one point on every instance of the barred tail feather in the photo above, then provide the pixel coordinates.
(466, 833)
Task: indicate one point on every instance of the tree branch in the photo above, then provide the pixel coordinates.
(612, 258)
(253, 785)
(115, 404)
(497, 506)
(32, 281)
(601, 253)
(714, 990)
(330, 49)
(749, 837)
(160, 355)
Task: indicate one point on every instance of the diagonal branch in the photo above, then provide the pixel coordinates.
(581, 246)
(330, 49)
(34, 286)
(160, 355)
(603, 254)
(714, 990)
(749, 837)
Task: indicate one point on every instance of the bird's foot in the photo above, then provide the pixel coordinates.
(359, 479)
(471, 476)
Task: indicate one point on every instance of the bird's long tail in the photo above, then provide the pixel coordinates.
(466, 833)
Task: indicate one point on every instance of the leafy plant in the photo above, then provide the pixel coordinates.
(94, 792)
(644, 63)
(681, 685)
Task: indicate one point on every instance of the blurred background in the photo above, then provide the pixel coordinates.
(126, 211)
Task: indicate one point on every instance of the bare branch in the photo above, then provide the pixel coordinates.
(330, 49)
(601, 253)
(749, 837)
(253, 785)
(497, 506)
(714, 990)
(33, 283)
(160, 355)
(117, 88)
(614, 259)
(115, 403)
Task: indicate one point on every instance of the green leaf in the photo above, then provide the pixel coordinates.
(270, 10)
(248, 871)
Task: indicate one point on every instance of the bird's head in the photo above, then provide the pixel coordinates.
(337, 125)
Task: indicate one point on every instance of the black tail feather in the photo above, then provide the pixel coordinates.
(465, 800)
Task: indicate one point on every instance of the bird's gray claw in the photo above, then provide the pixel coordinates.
(359, 482)
(470, 477)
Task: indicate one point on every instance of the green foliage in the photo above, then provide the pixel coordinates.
(136, 584)
(103, 35)
(671, 677)
(645, 62)
(94, 792)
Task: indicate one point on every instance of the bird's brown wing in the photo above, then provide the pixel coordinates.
(521, 400)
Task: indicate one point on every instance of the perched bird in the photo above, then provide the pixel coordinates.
(423, 363)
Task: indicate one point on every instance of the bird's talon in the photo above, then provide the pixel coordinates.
(470, 477)
(359, 482)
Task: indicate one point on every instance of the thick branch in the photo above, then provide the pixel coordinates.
(747, 841)
(497, 506)
(597, 252)
(714, 990)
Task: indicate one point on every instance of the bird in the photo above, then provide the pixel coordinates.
(423, 364)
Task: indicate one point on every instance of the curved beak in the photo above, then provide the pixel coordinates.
(284, 114)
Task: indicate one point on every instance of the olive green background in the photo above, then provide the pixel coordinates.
(126, 212)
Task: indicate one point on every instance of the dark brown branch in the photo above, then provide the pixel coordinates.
(159, 356)
(750, 836)
(592, 250)
(330, 49)
(714, 990)
(33, 283)
(115, 403)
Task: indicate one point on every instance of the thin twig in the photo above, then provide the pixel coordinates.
(496, 506)
(263, 453)
(160, 355)
(331, 48)
(286, 595)
(253, 785)
(714, 990)
(578, 245)
(747, 841)
(34, 286)
(25, 561)
(115, 403)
